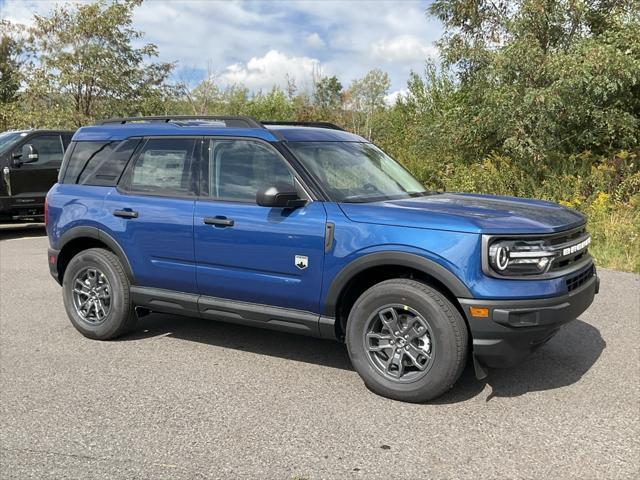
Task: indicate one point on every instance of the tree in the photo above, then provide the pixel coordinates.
(205, 97)
(273, 105)
(365, 97)
(328, 93)
(540, 79)
(11, 50)
(86, 66)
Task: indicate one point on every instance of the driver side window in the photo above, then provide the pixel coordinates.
(237, 169)
(50, 151)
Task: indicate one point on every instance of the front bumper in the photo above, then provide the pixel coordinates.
(515, 328)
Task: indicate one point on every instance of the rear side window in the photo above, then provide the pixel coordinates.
(65, 162)
(97, 163)
(80, 154)
(165, 167)
(105, 167)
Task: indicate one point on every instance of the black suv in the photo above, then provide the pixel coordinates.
(29, 164)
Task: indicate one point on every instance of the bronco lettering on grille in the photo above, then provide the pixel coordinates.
(576, 248)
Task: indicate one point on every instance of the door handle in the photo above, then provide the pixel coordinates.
(218, 221)
(6, 176)
(125, 213)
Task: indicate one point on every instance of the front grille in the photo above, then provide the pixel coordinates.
(558, 241)
(563, 263)
(580, 279)
(567, 237)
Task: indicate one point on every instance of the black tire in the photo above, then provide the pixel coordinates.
(448, 340)
(120, 316)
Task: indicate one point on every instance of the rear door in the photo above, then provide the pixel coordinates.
(150, 214)
(36, 178)
(249, 253)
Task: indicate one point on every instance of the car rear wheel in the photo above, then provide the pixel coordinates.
(96, 295)
(406, 340)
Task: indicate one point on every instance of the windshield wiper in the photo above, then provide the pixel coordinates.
(426, 193)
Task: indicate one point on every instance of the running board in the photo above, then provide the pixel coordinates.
(243, 313)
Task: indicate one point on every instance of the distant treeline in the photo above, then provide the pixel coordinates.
(535, 98)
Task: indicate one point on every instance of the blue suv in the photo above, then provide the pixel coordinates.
(309, 229)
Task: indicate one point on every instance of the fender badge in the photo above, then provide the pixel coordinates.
(302, 262)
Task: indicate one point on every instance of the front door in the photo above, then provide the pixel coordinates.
(34, 179)
(249, 253)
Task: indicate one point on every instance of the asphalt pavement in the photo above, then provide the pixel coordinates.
(185, 398)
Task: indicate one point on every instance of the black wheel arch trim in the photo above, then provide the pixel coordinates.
(392, 258)
(97, 234)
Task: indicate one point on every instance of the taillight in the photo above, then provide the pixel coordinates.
(46, 213)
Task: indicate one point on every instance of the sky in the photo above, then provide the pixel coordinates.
(259, 43)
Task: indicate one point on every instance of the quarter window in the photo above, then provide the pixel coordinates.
(165, 166)
(237, 169)
(77, 156)
(105, 166)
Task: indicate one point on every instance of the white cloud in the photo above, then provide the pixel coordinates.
(394, 96)
(22, 11)
(197, 33)
(348, 38)
(271, 69)
(403, 48)
(315, 41)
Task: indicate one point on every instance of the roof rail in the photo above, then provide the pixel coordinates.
(237, 121)
(329, 125)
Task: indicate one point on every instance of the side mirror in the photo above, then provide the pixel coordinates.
(28, 155)
(279, 196)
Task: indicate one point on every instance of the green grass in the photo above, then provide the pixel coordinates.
(616, 238)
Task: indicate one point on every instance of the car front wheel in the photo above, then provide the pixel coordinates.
(406, 340)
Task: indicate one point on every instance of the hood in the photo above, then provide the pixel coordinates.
(471, 213)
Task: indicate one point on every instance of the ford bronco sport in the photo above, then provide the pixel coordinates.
(309, 229)
(29, 164)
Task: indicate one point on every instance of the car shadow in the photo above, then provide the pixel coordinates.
(9, 231)
(260, 341)
(559, 363)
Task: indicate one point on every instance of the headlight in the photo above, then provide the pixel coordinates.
(551, 255)
(517, 257)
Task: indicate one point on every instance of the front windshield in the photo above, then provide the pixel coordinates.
(356, 172)
(8, 139)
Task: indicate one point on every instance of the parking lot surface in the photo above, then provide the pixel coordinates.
(186, 399)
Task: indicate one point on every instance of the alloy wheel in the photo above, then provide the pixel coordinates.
(399, 343)
(92, 295)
